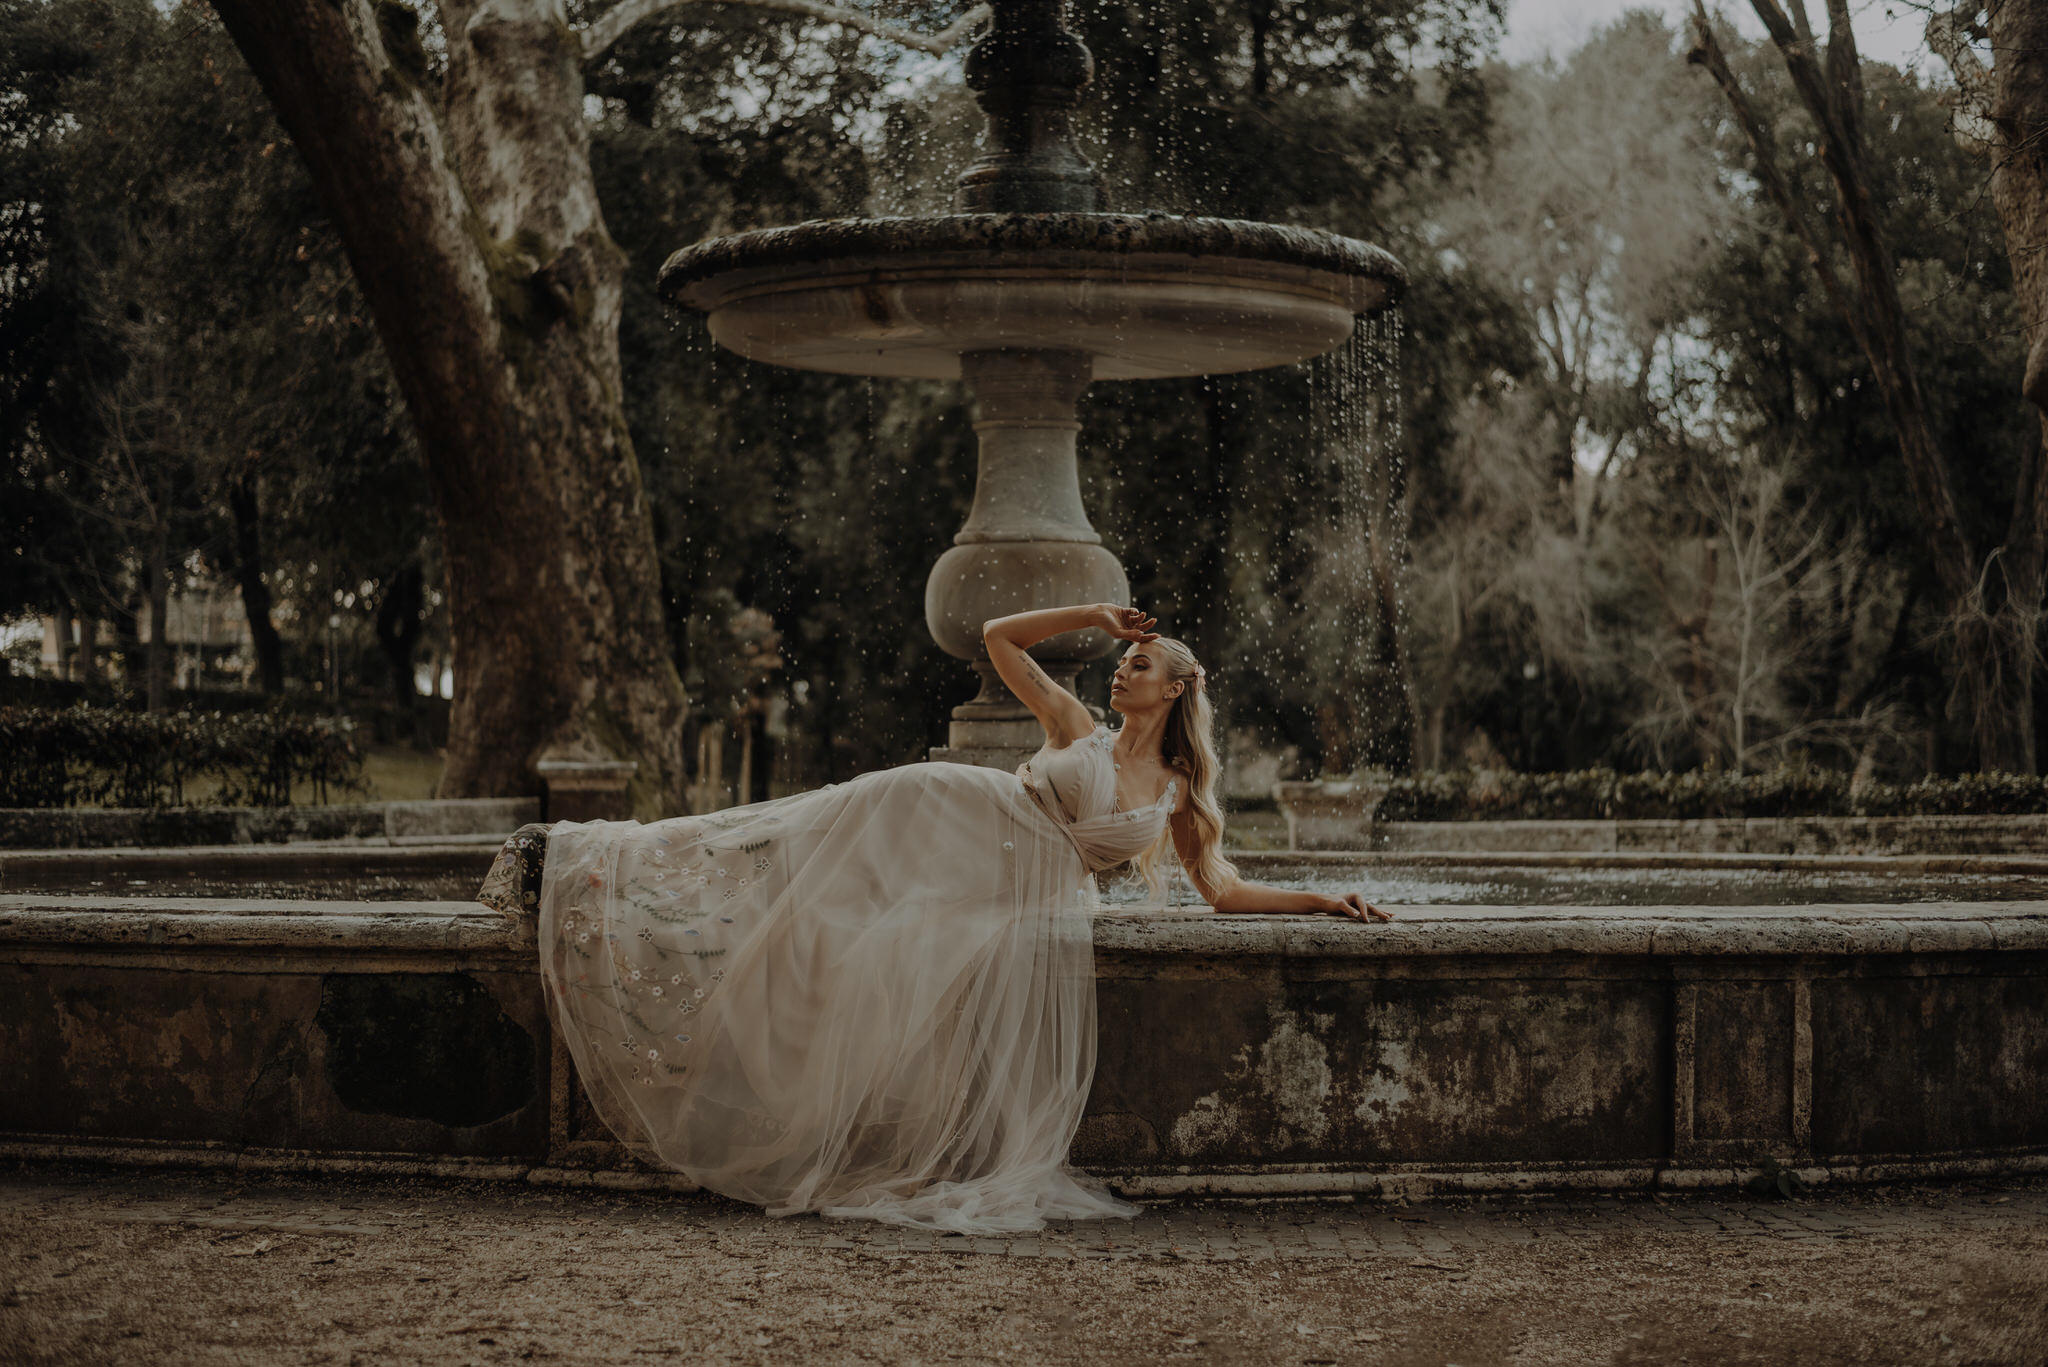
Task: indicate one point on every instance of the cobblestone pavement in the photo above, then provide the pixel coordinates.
(208, 1268)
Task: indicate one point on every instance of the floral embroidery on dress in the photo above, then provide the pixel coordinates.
(513, 884)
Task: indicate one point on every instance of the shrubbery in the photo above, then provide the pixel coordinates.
(118, 757)
(1603, 794)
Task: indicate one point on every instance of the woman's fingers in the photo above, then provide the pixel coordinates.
(1358, 909)
(1134, 625)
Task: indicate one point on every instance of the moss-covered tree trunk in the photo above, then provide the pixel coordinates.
(467, 207)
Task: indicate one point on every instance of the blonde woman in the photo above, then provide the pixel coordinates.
(877, 999)
(1164, 747)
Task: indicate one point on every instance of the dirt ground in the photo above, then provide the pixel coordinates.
(184, 1267)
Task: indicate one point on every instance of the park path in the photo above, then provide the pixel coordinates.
(115, 1267)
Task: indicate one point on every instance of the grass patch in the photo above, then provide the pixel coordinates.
(390, 773)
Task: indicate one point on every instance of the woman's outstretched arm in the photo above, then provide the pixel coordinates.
(1236, 894)
(1008, 638)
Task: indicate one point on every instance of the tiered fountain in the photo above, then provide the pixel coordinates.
(1630, 1026)
(1029, 293)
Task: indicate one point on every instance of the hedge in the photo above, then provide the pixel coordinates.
(1603, 794)
(117, 757)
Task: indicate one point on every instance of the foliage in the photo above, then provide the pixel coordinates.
(1625, 398)
(1726, 568)
(1698, 794)
(121, 757)
(193, 381)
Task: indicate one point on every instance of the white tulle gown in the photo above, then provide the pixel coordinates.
(876, 999)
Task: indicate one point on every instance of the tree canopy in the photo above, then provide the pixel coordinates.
(1643, 509)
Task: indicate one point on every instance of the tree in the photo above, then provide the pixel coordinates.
(1745, 601)
(1592, 206)
(176, 313)
(1993, 599)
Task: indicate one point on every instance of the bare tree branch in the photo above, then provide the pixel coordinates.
(1948, 36)
(1706, 52)
(616, 22)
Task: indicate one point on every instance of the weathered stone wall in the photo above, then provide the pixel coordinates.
(1495, 1046)
(390, 1028)
(1457, 1048)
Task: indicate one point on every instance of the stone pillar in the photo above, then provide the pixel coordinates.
(1026, 544)
(587, 789)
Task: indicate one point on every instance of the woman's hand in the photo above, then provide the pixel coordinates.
(1354, 905)
(1126, 624)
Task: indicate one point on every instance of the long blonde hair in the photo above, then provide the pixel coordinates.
(1189, 746)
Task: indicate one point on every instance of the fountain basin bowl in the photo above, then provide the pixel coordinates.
(1145, 296)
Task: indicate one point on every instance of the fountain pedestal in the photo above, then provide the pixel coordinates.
(1028, 293)
(1027, 543)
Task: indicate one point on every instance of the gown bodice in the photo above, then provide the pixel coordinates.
(1076, 786)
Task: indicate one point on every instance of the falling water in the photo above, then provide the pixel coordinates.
(1357, 534)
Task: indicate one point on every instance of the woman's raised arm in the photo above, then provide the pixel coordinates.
(1008, 638)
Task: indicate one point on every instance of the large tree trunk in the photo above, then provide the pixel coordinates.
(264, 639)
(481, 251)
(2004, 113)
(2018, 119)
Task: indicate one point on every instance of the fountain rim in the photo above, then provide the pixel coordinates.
(1076, 242)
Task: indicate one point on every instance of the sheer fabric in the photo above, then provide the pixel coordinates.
(875, 999)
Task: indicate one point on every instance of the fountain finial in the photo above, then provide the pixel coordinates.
(1027, 73)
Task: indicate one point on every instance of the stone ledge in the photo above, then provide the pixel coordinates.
(1400, 1181)
(247, 924)
(1417, 932)
(1640, 859)
(99, 827)
(253, 861)
(1993, 835)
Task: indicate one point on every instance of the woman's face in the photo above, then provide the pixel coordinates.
(1140, 683)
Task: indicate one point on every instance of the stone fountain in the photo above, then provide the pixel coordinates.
(1028, 293)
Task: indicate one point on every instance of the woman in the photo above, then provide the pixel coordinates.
(877, 999)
